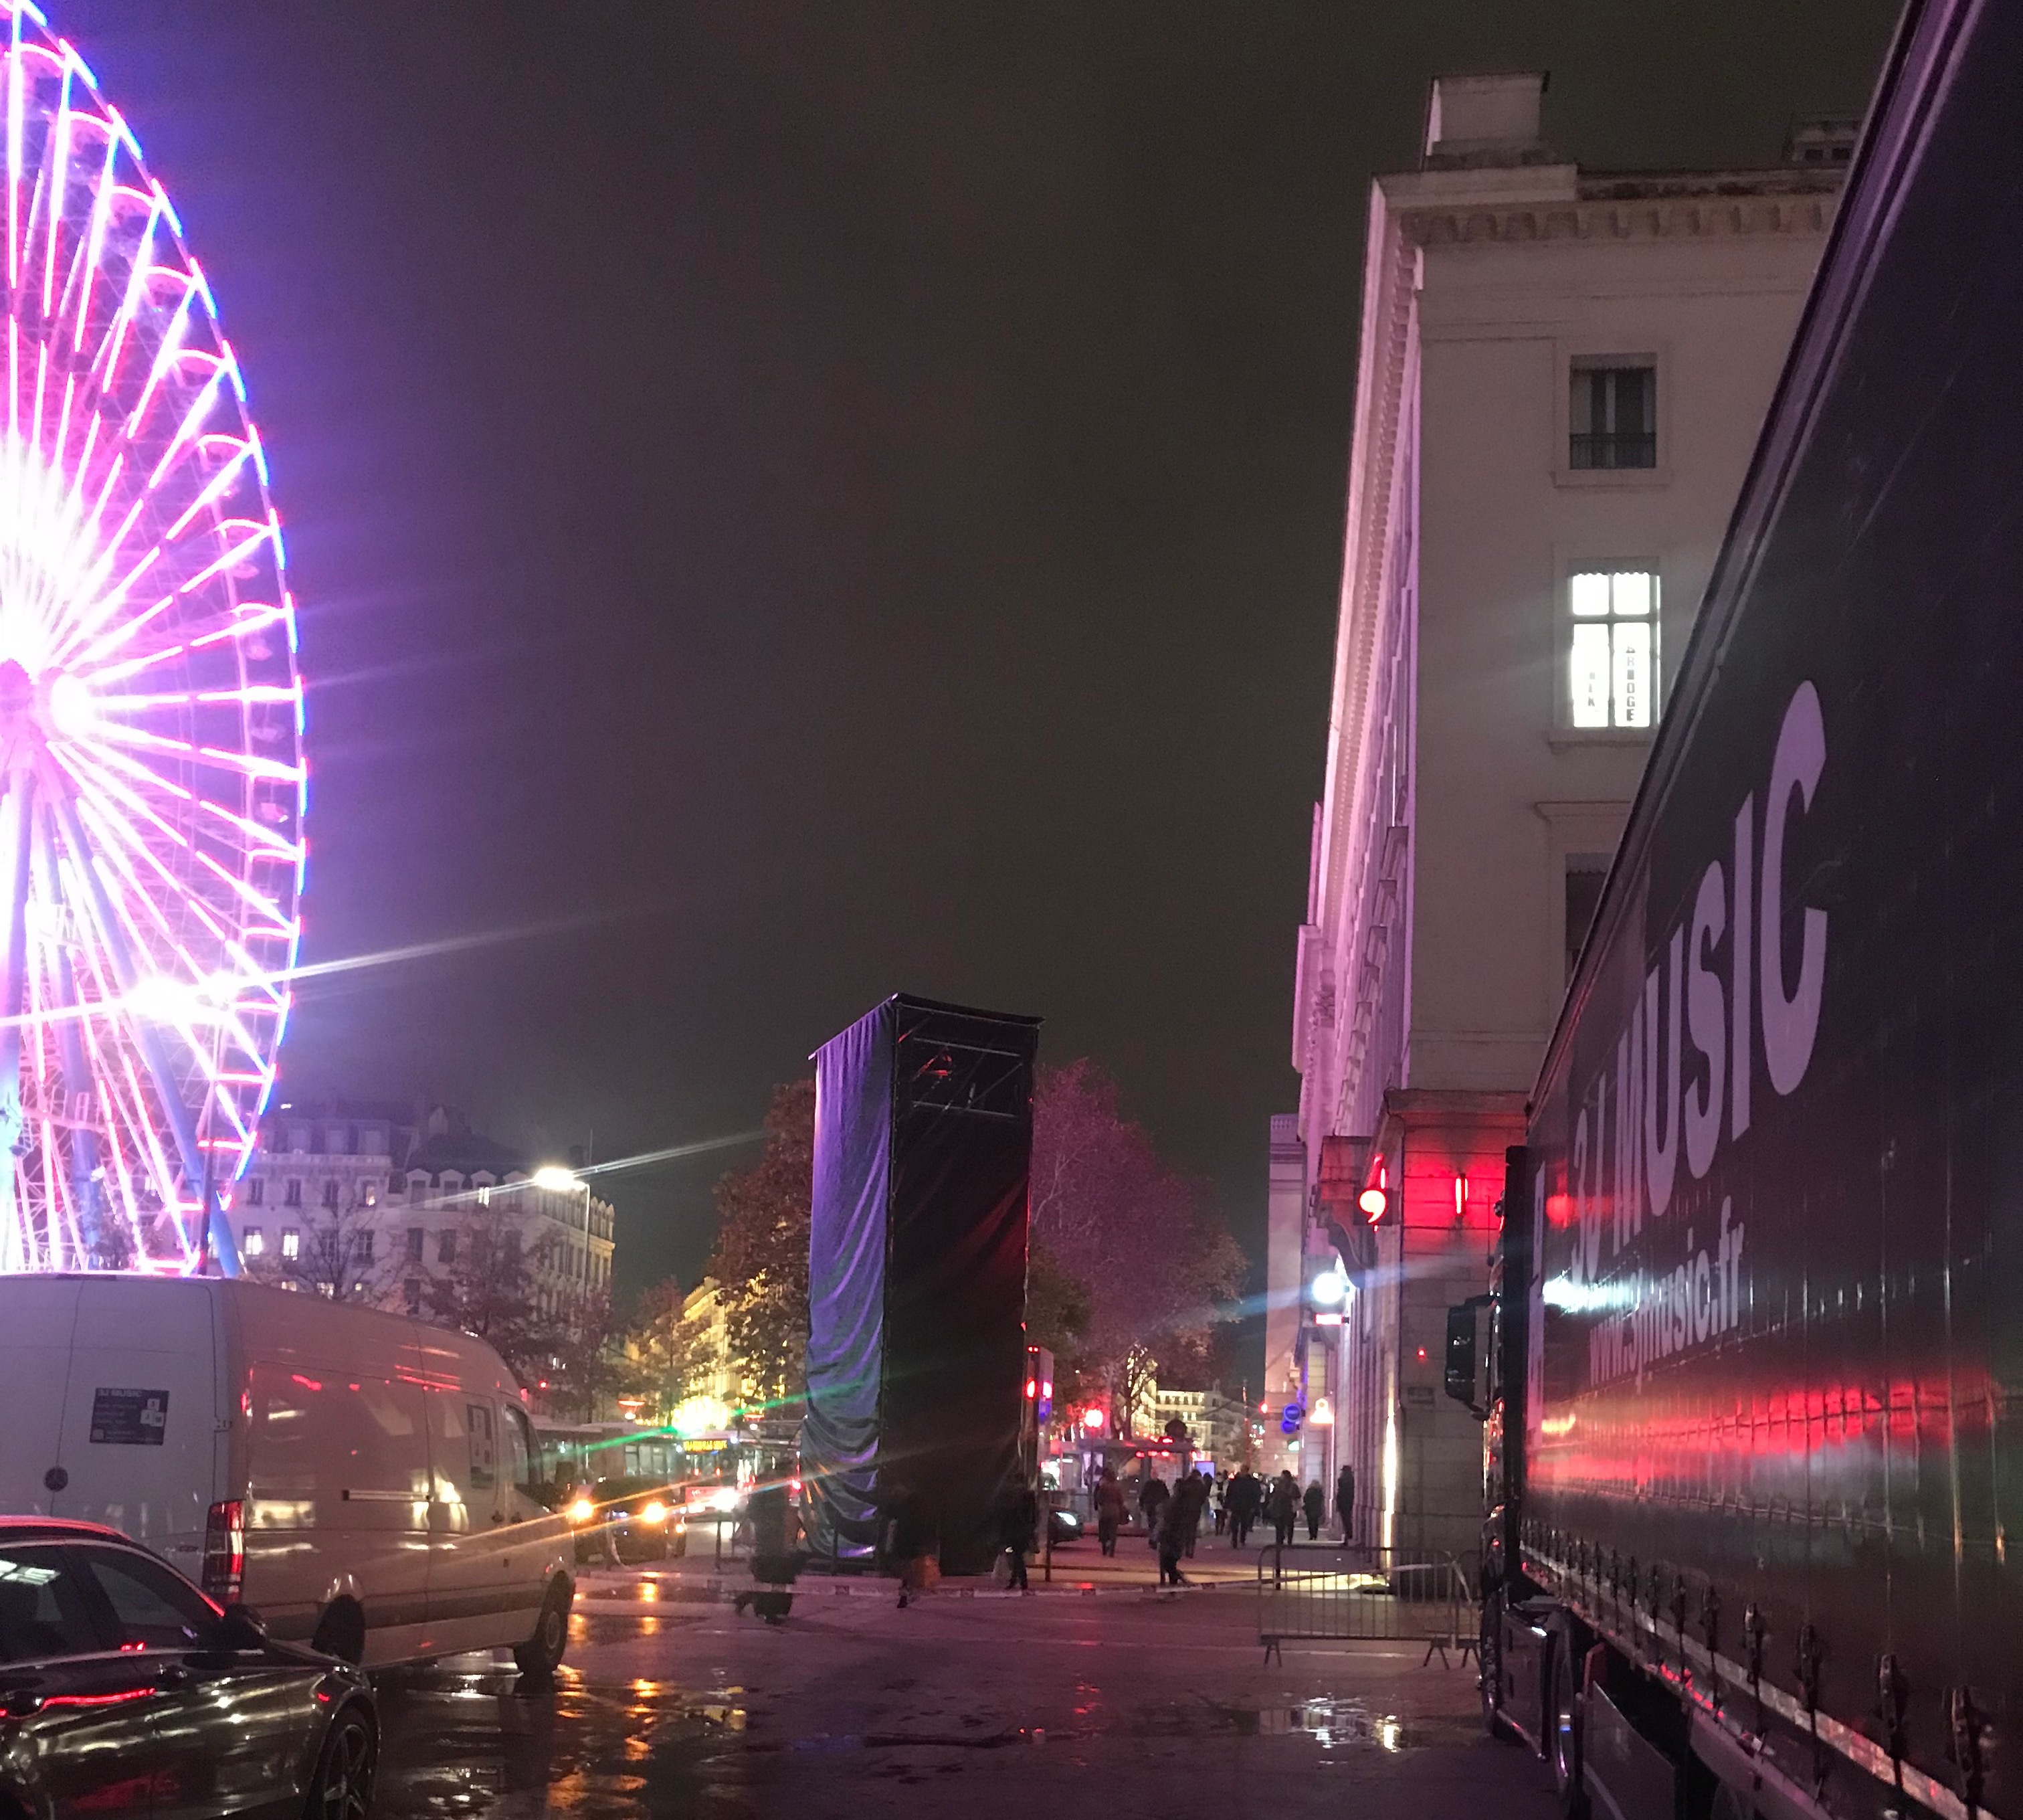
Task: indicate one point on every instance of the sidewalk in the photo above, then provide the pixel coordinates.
(1078, 1569)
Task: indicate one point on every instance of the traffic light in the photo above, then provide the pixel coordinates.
(1040, 1383)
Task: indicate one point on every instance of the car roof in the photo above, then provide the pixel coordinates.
(57, 1530)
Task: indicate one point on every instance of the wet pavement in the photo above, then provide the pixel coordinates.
(968, 1708)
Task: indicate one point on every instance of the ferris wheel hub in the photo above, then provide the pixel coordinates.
(55, 705)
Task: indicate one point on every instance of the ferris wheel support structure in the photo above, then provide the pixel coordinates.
(147, 1040)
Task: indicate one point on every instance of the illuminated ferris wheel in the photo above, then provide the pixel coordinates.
(151, 826)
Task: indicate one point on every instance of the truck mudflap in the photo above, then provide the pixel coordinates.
(1627, 1777)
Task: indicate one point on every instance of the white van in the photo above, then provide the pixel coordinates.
(363, 1482)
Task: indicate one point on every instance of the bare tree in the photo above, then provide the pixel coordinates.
(336, 1254)
(481, 1281)
(1117, 1219)
(665, 1352)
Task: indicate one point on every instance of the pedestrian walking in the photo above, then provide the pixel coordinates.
(1193, 1487)
(1344, 1501)
(1176, 1518)
(909, 1542)
(1221, 1503)
(1246, 1499)
(1283, 1506)
(1017, 1527)
(775, 1560)
(1315, 1506)
(1109, 1511)
(1153, 1495)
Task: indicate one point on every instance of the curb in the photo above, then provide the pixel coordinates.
(721, 1591)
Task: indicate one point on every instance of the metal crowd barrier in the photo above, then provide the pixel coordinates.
(1314, 1592)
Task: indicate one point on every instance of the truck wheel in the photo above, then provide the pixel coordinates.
(542, 1653)
(1488, 1653)
(1564, 1747)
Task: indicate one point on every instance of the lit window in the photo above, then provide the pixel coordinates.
(255, 1242)
(1614, 416)
(291, 1242)
(1612, 672)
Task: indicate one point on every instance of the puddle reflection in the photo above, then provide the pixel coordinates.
(479, 1739)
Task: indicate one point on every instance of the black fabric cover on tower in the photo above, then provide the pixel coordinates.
(916, 1275)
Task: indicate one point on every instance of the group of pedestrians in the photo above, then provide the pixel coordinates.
(1171, 1515)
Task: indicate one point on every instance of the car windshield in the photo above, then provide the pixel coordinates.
(606, 1489)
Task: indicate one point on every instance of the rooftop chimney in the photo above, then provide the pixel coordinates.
(1827, 139)
(1485, 120)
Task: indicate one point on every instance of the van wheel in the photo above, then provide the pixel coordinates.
(340, 1632)
(542, 1653)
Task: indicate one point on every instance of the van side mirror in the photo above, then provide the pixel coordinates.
(1464, 1354)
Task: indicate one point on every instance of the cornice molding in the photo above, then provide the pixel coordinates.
(1658, 217)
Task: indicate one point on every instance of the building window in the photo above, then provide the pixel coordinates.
(413, 1287)
(418, 1189)
(1587, 873)
(254, 1243)
(292, 1243)
(256, 1192)
(513, 1248)
(292, 1195)
(396, 1185)
(415, 1238)
(361, 1248)
(330, 1195)
(446, 1248)
(1614, 417)
(368, 1192)
(1612, 672)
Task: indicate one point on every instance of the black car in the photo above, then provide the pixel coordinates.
(629, 1519)
(123, 1690)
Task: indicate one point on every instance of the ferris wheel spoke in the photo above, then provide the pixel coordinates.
(262, 841)
(227, 1017)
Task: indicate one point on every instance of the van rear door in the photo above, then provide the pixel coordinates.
(139, 1434)
(36, 1316)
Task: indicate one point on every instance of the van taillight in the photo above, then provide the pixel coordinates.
(225, 1551)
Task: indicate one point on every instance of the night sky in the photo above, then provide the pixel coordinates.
(790, 503)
